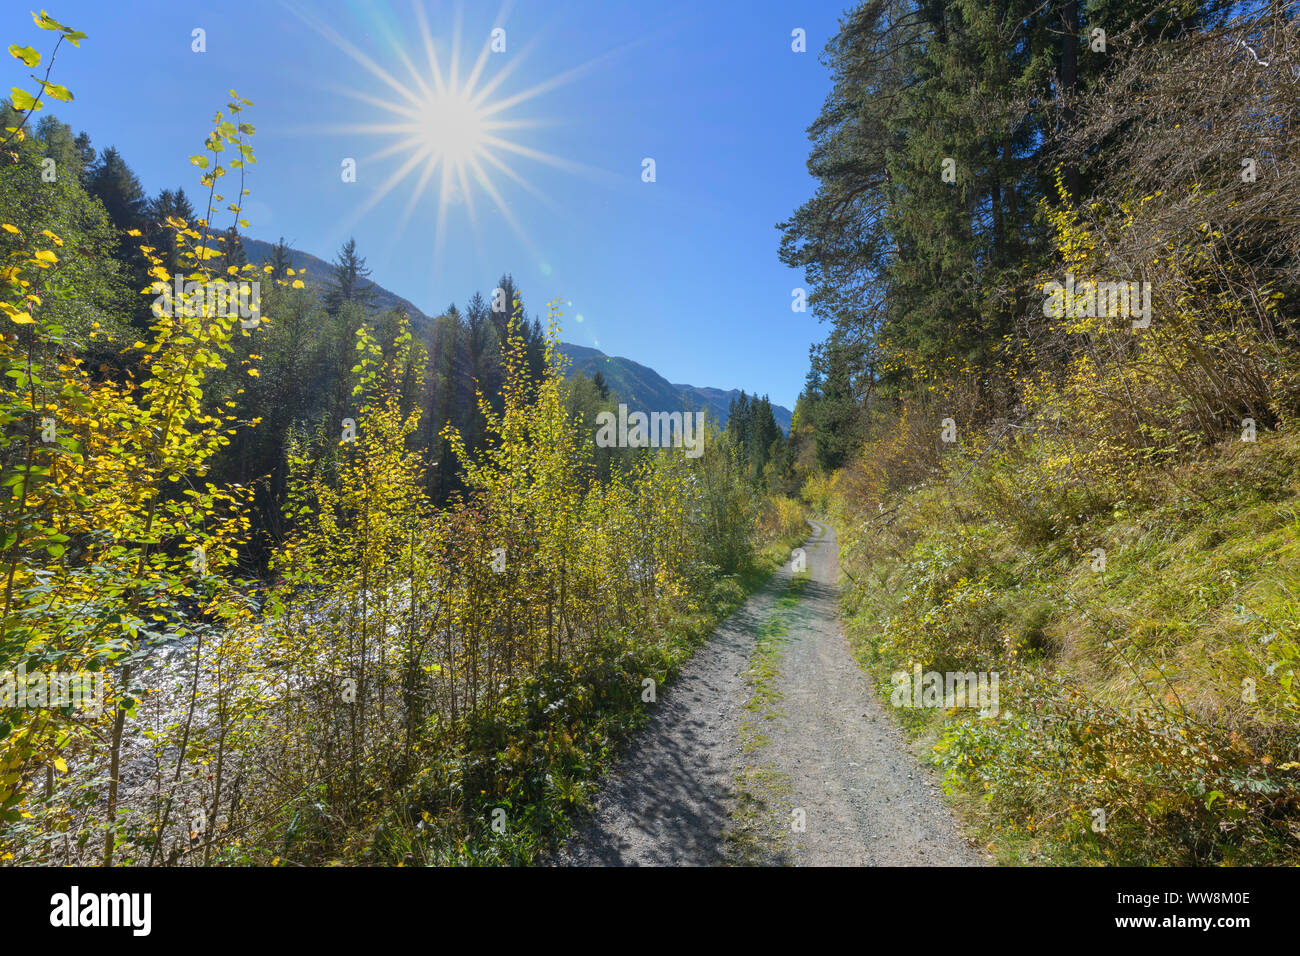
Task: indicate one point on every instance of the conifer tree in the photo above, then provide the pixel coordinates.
(350, 280)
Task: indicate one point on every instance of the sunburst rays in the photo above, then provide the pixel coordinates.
(448, 130)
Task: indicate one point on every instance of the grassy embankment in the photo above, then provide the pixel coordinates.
(1148, 713)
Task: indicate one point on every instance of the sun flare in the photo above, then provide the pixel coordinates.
(452, 130)
(448, 131)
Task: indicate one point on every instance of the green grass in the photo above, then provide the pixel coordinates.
(1198, 598)
(759, 786)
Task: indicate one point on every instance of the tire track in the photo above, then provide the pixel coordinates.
(865, 798)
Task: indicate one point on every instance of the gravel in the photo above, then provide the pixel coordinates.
(866, 799)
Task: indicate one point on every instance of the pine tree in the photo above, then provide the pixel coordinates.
(117, 187)
(95, 287)
(280, 260)
(444, 401)
(170, 203)
(507, 306)
(350, 280)
(233, 254)
(835, 411)
(71, 154)
(166, 205)
(932, 152)
(87, 156)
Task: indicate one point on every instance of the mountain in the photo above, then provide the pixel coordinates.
(642, 388)
(319, 273)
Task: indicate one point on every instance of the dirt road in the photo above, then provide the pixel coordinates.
(828, 757)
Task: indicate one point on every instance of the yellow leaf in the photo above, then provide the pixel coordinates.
(60, 765)
(21, 318)
(8, 228)
(299, 284)
(133, 232)
(52, 237)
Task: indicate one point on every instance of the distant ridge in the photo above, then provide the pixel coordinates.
(319, 272)
(640, 386)
(644, 389)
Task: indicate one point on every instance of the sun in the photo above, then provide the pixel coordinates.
(449, 131)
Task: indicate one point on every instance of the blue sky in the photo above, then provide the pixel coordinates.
(680, 274)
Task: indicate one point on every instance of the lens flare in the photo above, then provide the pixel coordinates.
(449, 128)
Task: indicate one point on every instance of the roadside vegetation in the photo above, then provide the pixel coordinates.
(316, 650)
(1095, 503)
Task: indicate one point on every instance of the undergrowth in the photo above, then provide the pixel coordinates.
(1147, 653)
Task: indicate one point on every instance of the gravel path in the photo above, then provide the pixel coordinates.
(668, 801)
(865, 798)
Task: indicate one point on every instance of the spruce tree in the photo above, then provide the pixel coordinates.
(349, 281)
(118, 188)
